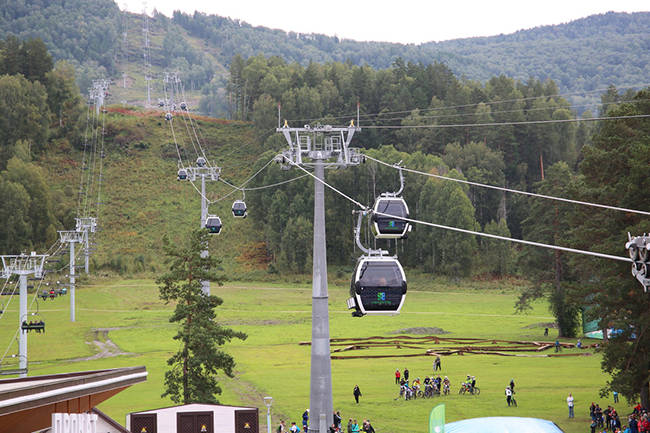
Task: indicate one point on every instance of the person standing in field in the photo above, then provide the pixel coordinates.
(569, 402)
(508, 395)
(397, 376)
(356, 393)
(406, 374)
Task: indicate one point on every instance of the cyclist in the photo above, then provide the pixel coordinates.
(445, 385)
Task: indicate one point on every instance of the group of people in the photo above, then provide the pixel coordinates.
(609, 420)
(336, 427)
(432, 385)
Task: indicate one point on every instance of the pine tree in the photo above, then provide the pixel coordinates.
(192, 377)
(615, 171)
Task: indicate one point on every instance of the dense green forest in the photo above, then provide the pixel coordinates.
(586, 55)
(40, 107)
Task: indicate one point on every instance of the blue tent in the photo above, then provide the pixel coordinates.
(502, 424)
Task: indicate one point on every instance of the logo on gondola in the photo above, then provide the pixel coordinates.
(381, 296)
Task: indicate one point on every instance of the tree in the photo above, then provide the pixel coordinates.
(192, 377)
(615, 171)
(548, 270)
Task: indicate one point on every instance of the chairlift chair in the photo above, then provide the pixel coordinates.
(378, 286)
(213, 224)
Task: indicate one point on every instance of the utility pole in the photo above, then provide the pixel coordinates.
(210, 174)
(72, 237)
(320, 147)
(22, 266)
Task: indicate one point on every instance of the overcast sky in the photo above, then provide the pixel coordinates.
(405, 21)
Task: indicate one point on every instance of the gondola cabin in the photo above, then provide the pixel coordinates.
(378, 286)
(393, 226)
(168, 116)
(183, 106)
(213, 224)
(182, 174)
(239, 209)
(200, 161)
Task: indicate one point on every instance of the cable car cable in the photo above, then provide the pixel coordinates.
(525, 110)
(523, 122)
(472, 232)
(499, 188)
(503, 101)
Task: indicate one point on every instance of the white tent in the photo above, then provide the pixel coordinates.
(502, 424)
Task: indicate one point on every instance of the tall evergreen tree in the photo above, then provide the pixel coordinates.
(192, 377)
(548, 271)
(615, 171)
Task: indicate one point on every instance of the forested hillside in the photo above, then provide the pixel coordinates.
(581, 56)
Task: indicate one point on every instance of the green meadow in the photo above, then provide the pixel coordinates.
(271, 361)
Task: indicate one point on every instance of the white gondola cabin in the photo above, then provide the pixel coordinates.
(387, 218)
(378, 286)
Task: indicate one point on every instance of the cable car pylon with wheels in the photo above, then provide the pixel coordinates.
(378, 285)
(239, 207)
(388, 213)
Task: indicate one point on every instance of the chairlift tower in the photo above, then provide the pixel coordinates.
(98, 93)
(87, 225)
(319, 147)
(72, 237)
(23, 265)
(205, 173)
(171, 78)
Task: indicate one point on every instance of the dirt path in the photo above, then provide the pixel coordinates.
(106, 348)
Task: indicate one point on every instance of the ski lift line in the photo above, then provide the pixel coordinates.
(524, 122)
(171, 125)
(83, 187)
(83, 161)
(363, 207)
(515, 191)
(504, 101)
(442, 116)
(13, 292)
(187, 113)
(257, 188)
(19, 327)
(101, 167)
(505, 238)
(472, 232)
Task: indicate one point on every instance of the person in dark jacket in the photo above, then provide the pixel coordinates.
(356, 393)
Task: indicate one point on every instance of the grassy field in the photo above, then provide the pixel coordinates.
(276, 318)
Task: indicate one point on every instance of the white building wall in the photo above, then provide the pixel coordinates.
(224, 417)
